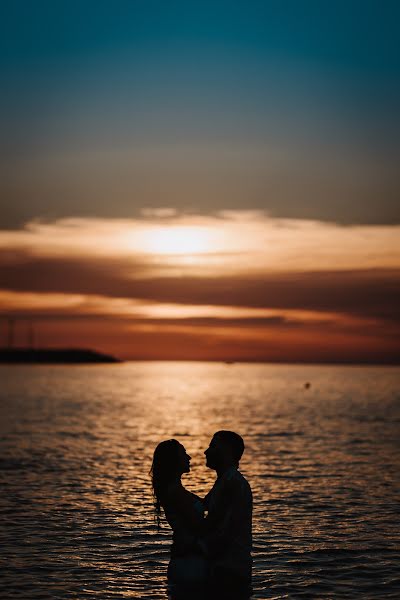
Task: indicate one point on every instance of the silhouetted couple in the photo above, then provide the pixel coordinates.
(211, 549)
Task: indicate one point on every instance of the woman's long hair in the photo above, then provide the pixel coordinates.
(163, 471)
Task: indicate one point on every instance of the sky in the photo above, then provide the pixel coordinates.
(202, 180)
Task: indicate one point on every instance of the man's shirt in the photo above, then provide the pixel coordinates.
(228, 537)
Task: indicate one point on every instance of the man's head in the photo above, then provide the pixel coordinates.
(225, 450)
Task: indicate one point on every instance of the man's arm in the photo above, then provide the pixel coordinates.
(224, 521)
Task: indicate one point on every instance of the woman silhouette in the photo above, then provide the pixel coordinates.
(185, 514)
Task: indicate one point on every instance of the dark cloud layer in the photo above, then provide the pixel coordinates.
(203, 327)
(372, 293)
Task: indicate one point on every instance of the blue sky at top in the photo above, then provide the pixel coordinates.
(303, 79)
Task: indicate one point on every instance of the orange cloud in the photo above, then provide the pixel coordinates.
(249, 288)
(230, 242)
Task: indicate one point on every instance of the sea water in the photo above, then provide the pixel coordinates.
(323, 461)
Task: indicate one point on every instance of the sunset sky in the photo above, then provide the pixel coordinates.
(202, 180)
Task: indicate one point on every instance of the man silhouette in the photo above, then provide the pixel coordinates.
(227, 539)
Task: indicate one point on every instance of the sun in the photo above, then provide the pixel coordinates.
(177, 240)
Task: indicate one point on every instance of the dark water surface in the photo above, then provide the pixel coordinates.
(75, 451)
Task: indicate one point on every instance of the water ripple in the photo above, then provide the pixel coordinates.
(76, 445)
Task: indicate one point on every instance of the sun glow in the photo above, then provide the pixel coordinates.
(177, 240)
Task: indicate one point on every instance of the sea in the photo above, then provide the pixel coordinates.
(322, 457)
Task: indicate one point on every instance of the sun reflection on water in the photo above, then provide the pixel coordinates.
(76, 446)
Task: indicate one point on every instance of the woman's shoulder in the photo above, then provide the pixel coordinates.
(176, 494)
(175, 491)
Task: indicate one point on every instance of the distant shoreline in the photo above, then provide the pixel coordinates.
(86, 356)
(54, 356)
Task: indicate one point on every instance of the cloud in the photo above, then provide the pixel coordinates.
(371, 293)
(245, 260)
(273, 285)
(231, 241)
(60, 306)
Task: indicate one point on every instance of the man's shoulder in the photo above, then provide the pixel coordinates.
(236, 480)
(243, 480)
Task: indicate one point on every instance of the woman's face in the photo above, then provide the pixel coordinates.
(183, 460)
